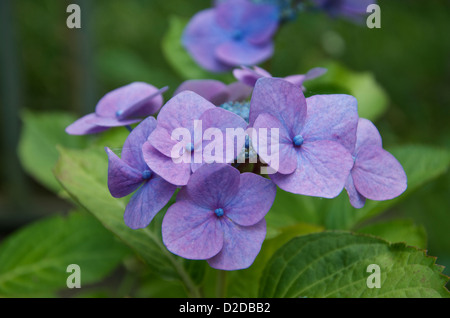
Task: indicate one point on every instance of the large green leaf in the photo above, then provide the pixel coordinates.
(37, 147)
(179, 58)
(34, 260)
(83, 174)
(335, 264)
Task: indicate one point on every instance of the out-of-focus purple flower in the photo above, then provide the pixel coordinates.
(350, 9)
(233, 33)
(219, 216)
(123, 106)
(250, 76)
(376, 174)
(215, 91)
(182, 111)
(131, 173)
(314, 135)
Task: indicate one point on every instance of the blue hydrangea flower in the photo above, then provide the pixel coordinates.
(219, 217)
(353, 10)
(233, 33)
(131, 173)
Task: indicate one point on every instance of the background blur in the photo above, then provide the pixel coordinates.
(47, 67)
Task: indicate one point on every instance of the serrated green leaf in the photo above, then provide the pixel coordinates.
(83, 174)
(398, 231)
(334, 264)
(34, 260)
(37, 147)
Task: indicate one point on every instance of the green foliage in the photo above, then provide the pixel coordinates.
(33, 261)
(334, 264)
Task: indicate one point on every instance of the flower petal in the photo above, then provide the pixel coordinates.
(200, 38)
(132, 148)
(241, 245)
(177, 173)
(147, 106)
(122, 179)
(322, 170)
(236, 53)
(356, 199)
(282, 100)
(191, 231)
(377, 174)
(212, 186)
(332, 117)
(250, 76)
(253, 200)
(367, 135)
(85, 125)
(238, 92)
(214, 91)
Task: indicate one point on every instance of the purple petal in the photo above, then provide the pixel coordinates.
(147, 202)
(212, 186)
(322, 170)
(163, 142)
(332, 117)
(175, 173)
(356, 199)
(214, 91)
(255, 22)
(85, 125)
(132, 148)
(191, 232)
(297, 80)
(122, 179)
(122, 98)
(252, 201)
(283, 146)
(315, 72)
(110, 122)
(146, 106)
(181, 111)
(367, 135)
(250, 76)
(238, 91)
(241, 245)
(201, 37)
(282, 100)
(223, 120)
(243, 53)
(377, 174)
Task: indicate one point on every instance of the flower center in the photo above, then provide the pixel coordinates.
(189, 147)
(119, 113)
(298, 140)
(146, 174)
(237, 35)
(218, 212)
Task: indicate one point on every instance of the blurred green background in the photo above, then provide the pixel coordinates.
(47, 67)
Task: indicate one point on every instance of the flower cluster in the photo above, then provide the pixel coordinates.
(220, 206)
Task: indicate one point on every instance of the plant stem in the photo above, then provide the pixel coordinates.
(221, 284)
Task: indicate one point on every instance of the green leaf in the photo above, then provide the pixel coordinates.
(372, 99)
(34, 260)
(334, 264)
(398, 231)
(83, 175)
(37, 147)
(179, 58)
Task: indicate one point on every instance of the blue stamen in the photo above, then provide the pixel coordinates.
(298, 140)
(237, 35)
(146, 174)
(189, 147)
(119, 113)
(218, 212)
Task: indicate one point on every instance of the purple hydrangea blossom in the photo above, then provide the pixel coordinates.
(131, 173)
(376, 174)
(219, 217)
(249, 76)
(314, 135)
(182, 111)
(121, 107)
(351, 9)
(215, 91)
(233, 33)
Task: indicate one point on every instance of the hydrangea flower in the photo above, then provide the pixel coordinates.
(131, 173)
(314, 135)
(250, 76)
(121, 107)
(376, 174)
(233, 33)
(351, 9)
(215, 91)
(181, 112)
(219, 217)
